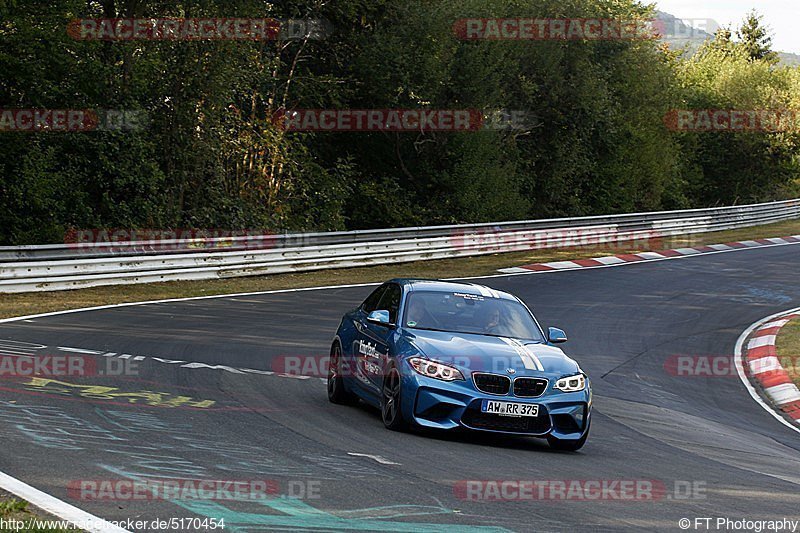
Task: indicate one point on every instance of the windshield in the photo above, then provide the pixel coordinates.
(468, 313)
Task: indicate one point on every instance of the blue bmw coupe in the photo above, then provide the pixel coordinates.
(447, 355)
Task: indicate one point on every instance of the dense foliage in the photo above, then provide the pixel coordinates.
(210, 156)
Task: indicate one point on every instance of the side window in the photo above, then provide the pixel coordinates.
(371, 303)
(390, 301)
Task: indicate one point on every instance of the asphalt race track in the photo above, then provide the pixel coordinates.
(625, 323)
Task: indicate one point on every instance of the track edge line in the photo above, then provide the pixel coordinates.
(739, 363)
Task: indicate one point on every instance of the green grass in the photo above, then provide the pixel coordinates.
(11, 506)
(42, 302)
(788, 346)
(14, 509)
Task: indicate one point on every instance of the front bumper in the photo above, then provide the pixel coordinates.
(449, 405)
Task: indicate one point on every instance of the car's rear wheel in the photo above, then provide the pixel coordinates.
(337, 393)
(391, 404)
(567, 445)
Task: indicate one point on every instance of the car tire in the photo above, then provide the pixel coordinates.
(337, 390)
(567, 445)
(391, 401)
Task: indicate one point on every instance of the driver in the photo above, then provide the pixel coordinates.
(418, 315)
(491, 319)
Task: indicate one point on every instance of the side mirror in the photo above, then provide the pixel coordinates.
(380, 317)
(556, 336)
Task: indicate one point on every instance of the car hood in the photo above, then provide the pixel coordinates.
(484, 353)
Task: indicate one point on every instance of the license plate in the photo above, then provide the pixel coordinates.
(509, 408)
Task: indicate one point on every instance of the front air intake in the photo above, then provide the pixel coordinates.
(492, 383)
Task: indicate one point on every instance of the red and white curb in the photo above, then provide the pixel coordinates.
(614, 260)
(757, 362)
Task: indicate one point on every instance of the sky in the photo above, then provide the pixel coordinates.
(782, 16)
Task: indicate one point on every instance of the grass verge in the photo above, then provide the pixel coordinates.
(42, 302)
(16, 512)
(788, 346)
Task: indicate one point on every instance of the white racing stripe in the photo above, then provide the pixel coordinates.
(486, 292)
(530, 360)
(482, 290)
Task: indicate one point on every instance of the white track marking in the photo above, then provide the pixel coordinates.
(783, 394)
(376, 458)
(764, 365)
(738, 360)
(759, 342)
(775, 324)
(514, 270)
(611, 260)
(56, 507)
(79, 350)
(15, 353)
(687, 251)
(650, 255)
(562, 265)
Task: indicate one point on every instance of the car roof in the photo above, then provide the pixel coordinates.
(435, 285)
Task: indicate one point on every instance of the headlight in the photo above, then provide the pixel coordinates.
(572, 383)
(432, 369)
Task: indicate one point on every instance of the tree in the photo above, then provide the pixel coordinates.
(755, 38)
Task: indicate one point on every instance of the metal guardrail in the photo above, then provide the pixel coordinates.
(72, 266)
